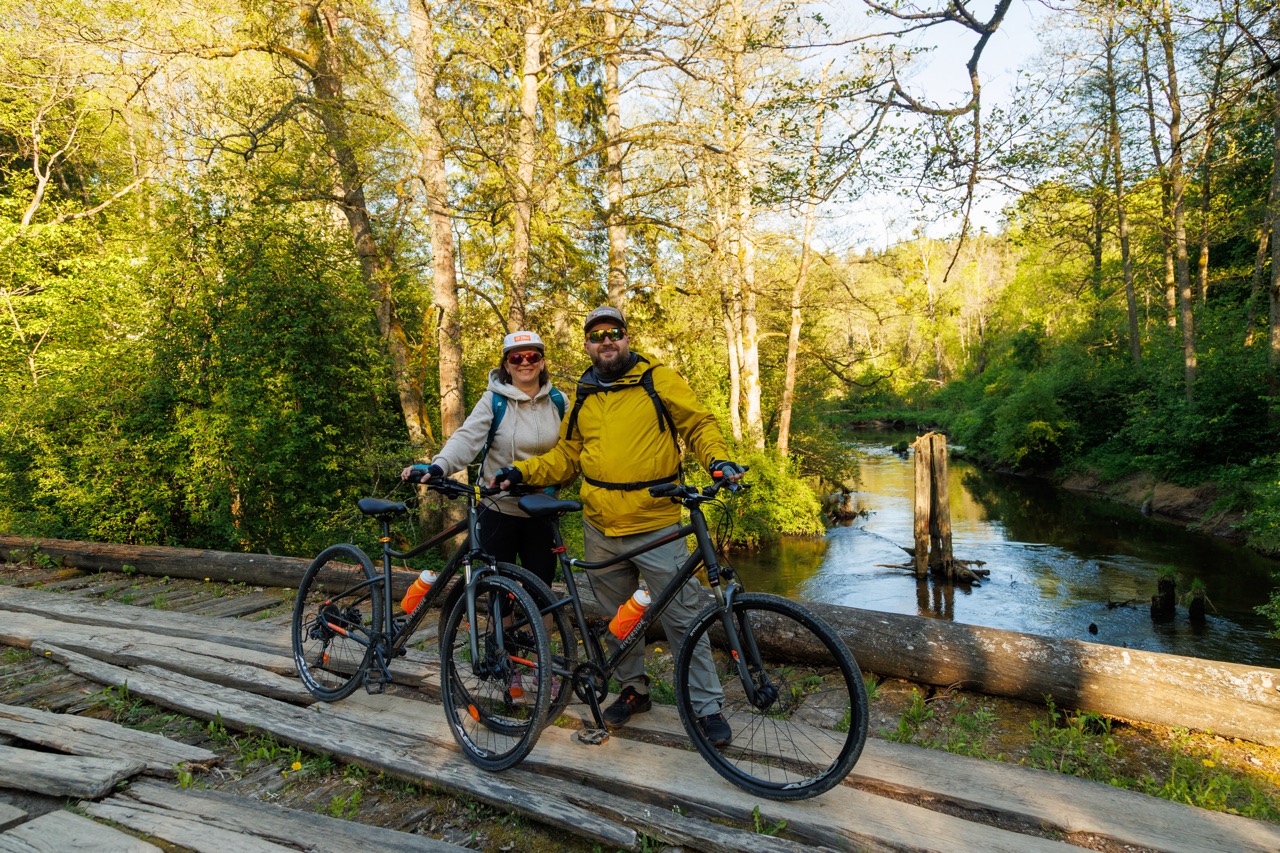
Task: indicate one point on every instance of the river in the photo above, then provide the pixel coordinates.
(1060, 562)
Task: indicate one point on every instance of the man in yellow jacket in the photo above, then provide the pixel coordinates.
(621, 436)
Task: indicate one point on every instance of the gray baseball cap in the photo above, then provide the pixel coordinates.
(604, 312)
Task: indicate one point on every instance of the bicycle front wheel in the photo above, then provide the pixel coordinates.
(560, 633)
(335, 617)
(495, 673)
(794, 698)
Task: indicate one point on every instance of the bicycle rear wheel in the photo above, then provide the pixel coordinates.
(335, 617)
(496, 701)
(808, 722)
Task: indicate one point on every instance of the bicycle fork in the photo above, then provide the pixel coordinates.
(760, 690)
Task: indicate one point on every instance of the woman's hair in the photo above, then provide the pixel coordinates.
(504, 375)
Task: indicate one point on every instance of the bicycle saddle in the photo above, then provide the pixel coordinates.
(377, 506)
(543, 505)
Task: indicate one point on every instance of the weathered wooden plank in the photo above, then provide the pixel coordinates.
(1033, 797)
(64, 832)
(257, 638)
(1064, 802)
(187, 831)
(267, 674)
(270, 822)
(402, 756)
(665, 777)
(1029, 796)
(63, 775)
(10, 816)
(101, 738)
(241, 605)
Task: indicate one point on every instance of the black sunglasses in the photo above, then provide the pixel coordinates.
(596, 336)
(524, 358)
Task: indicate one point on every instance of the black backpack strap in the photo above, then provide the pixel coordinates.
(666, 423)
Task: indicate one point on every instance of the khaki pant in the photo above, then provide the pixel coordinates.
(615, 584)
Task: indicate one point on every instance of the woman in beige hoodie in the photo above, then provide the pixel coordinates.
(529, 425)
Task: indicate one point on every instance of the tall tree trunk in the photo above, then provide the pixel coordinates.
(1166, 215)
(1206, 164)
(321, 26)
(526, 154)
(1177, 191)
(750, 340)
(617, 280)
(733, 347)
(797, 292)
(444, 281)
(1122, 214)
(1273, 217)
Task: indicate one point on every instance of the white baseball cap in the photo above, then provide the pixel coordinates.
(522, 340)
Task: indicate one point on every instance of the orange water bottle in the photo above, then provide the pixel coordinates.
(419, 588)
(629, 614)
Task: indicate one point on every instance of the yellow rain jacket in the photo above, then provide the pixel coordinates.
(617, 439)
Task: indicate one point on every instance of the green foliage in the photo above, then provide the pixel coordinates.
(778, 503)
(1079, 745)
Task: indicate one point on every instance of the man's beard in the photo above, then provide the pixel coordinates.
(614, 368)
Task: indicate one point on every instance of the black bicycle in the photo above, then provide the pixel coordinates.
(493, 645)
(793, 694)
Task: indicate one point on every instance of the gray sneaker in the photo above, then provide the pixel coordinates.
(629, 702)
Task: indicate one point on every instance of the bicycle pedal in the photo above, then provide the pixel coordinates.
(592, 737)
(374, 688)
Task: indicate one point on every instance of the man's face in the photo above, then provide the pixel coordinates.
(607, 354)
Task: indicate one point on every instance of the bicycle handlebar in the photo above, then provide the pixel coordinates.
(690, 495)
(453, 489)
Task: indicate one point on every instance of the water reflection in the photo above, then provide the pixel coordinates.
(1059, 562)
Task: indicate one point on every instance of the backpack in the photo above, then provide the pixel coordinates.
(666, 423)
(500, 408)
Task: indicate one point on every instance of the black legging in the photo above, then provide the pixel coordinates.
(507, 537)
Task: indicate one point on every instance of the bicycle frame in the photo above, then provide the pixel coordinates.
(703, 555)
(393, 638)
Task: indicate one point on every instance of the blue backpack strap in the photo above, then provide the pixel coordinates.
(499, 409)
(558, 399)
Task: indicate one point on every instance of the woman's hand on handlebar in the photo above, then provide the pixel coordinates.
(422, 473)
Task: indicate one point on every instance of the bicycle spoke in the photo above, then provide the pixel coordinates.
(337, 613)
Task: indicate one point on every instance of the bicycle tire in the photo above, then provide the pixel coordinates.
(808, 737)
(561, 634)
(337, 613)
(496, 707)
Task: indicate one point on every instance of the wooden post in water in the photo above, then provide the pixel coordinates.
(932, 507)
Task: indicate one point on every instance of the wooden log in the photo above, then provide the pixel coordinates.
(63, 775)
(190, 811)
(90, 736)
(923, 502)
(186, 830)
(940, 556)
(189, 563)
(64, 832)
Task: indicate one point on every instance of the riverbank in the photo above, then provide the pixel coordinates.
(1190, 506)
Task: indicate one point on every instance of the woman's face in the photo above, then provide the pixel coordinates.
(524, 365)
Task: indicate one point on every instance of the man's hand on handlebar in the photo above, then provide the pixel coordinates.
(421, 473)
(730, 472)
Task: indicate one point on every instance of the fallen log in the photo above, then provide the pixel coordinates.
(1229, 699)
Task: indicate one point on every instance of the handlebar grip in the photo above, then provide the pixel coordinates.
(666, 490)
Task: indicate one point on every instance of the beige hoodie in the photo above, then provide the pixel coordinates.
(529, 427)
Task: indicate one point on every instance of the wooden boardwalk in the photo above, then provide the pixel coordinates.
(645, 781)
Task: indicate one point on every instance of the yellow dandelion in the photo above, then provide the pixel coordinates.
(657, 649)
(1207, 762)
(206, 580)
(297, 765)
